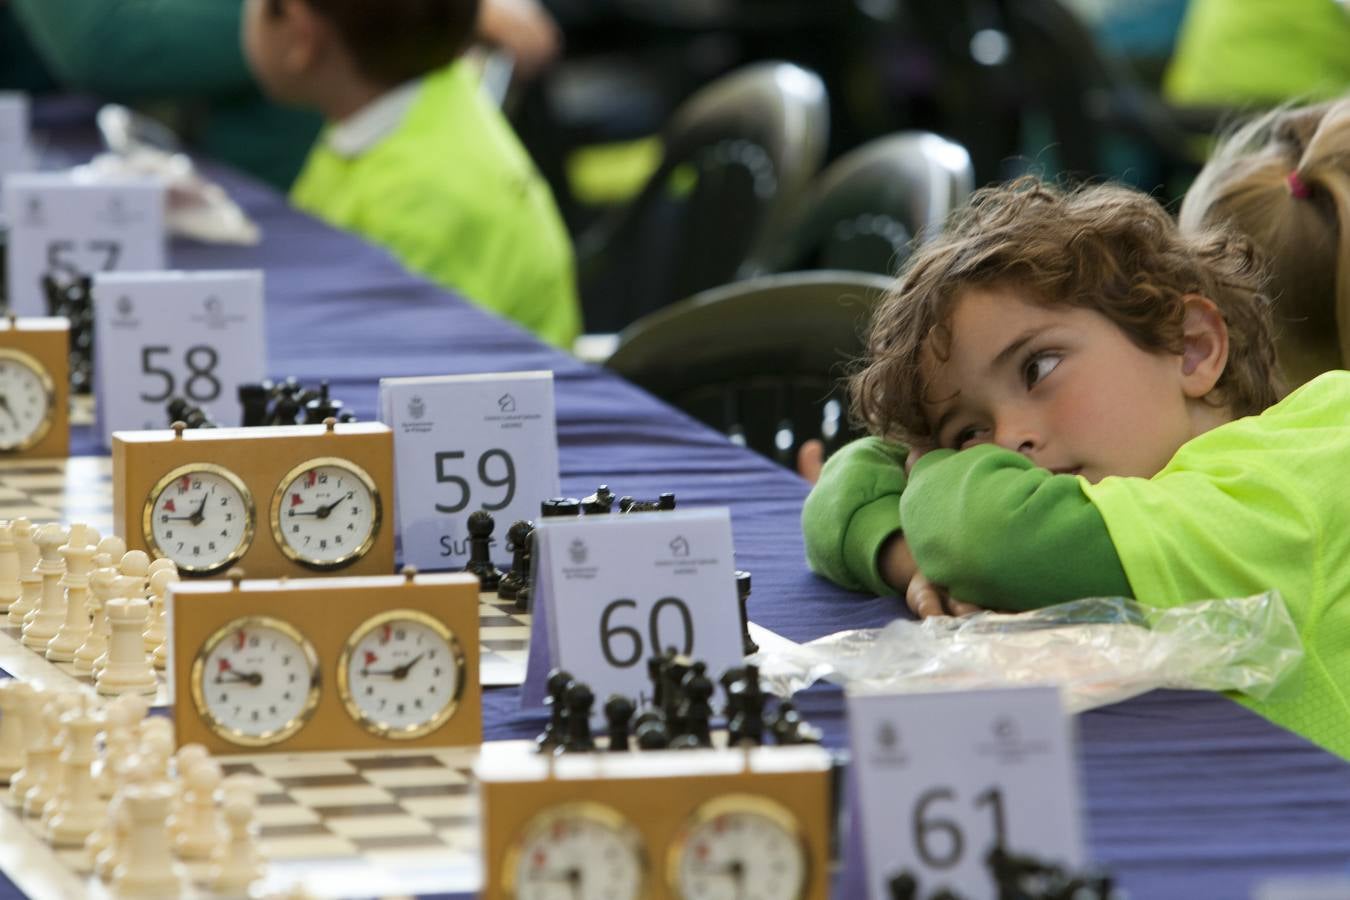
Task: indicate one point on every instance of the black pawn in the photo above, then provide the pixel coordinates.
(480, 550)
(559, 508)
(579, 699)
(557, 683)
(904, 886)
(177, 409)
(748, 645)
(253, 400)
(747, 721)
(518, 536)
(665, 502)
(696, 688)
(599, 503)
(651, 732)
(321, 407)
(619, 714)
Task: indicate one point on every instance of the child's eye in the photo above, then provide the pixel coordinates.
(967, 437)
(1039, 366)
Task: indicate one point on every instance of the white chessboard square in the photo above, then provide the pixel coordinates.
(299, 766)
(435, 807)
(422, 775)
(382, 826)
(319, 846)
(341, 796)
(286, 815)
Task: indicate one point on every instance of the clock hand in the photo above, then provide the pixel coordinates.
(402, 671)
(4, 404)
(323, 511)
(253, 678)
(198, 515)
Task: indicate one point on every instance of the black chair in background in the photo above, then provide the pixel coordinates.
(866, 210)
(760, 360)
(736, 155)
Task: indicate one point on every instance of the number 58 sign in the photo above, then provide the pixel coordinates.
(157, 335)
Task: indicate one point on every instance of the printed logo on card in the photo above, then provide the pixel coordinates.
(1007, 744)
(417, 408)
(679, 546)
(34, 215)
(117, 213)
(887, 747)
(578, 551)
(506, 403)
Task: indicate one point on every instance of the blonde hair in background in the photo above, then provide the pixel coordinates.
(1283, 181)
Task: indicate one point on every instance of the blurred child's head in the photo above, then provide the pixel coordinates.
(300, 50)
(1283, 181)
(1079, 328)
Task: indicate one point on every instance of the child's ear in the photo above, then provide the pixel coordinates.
(306, 35)
(1204, 353)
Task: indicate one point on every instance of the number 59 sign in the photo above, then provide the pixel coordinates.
(157, 335)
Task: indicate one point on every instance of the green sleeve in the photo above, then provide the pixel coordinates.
(852, 510)
(998, 531)
(145, 48)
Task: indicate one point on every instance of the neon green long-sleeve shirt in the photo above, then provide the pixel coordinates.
(453, 194)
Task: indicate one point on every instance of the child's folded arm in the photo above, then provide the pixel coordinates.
(852, 511)
(998, 531)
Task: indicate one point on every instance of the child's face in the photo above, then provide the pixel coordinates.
(267, 47)
(1062, 385)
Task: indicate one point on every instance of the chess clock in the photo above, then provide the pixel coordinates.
(326, 513)
(195, 495)
(346, 663)
(577, 849)
(400, 674)
(739, 823)
(34, 387)
(255, 681)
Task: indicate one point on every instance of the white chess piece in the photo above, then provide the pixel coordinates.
(9, 567)
(78, 555)
(200, 829)
(114, 546)
(156, 745)
(161, 562)
(128, 670)
(78, 808)
(42, 756)
(29, 711)
(123, 717)
(14, 695)
(187, 756)
(64, 702)
(147, 867)
(41, 625)
(158, 631)
(236, 863)
(30, 582)
(101, 583)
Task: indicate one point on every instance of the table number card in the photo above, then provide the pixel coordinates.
(16, 154)
(196, 335)
(62, 226)
(944, 777)
(464, 443)
(612, 591)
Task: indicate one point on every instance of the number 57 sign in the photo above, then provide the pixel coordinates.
(464, 443)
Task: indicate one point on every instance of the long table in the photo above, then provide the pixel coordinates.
(1187, 794)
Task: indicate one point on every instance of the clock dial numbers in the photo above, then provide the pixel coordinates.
(400, 674)
(27, 401)
(201, 516)
(577, 850)
(326, 513)
(255, 681)
(739, 847)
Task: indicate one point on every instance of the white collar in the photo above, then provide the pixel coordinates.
(373, 122)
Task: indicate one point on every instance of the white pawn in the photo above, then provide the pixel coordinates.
(161, 562)
(41, 625)
(199, 826)
(236, 863)
(64, 702)
(102, 582)
(42, 756)
(30, 713)
(78, 809)
(30, 582)
(156, 636)
(156, 745)
(128, 670)
(187, 756)
(9, 567)
(123, 717)
(78, 555)
(14, 699)
(147, 867)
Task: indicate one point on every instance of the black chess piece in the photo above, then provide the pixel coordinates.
(177, 409)
(253, 400)
(745, 709)
(696, 688)
(619, 715)
(579, 699)
(518, 537)
(903, 886)
(665, 502)
(599, 503)
(321, 407)
(650, 731)
(559, 507)
(199, 418)
(788, 727)
(673, 669)
(748, 645)
(558, 680)
(480, 550)
(945, 893)
(284, 410)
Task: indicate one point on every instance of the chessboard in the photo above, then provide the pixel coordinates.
(374, 824)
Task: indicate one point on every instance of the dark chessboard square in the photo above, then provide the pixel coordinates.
(396, 841)
(446, 823)
(16, 502)
(496, 622)
(396, 762)
(428, 790)
(500, 645)
(308, 829)
(320, 781)
(358, 810)
(279, 798)
(239, 769)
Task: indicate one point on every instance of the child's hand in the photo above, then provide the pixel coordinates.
(915, 454)
(811, 459)
(927, 599)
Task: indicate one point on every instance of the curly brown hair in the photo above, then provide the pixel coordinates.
(1107, 248)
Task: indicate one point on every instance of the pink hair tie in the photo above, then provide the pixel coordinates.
(1296, 186)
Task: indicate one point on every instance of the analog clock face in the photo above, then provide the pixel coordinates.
(201, 517)
(400, 674)
(26, 400)
(256, 681)
(326, 513)
(741, 847)
(577, 850)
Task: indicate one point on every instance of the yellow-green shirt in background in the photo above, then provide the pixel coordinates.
(455, 197)
(1260, 503)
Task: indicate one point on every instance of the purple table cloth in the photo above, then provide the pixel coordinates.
(1187, 794)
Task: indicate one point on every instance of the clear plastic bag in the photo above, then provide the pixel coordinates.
(1099, 651)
